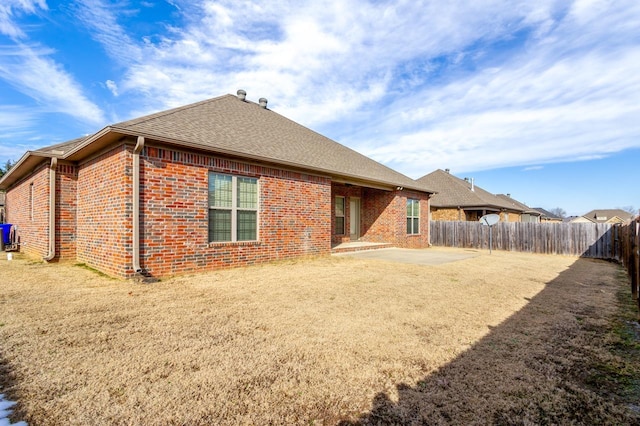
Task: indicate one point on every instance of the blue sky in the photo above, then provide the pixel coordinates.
(539, 99)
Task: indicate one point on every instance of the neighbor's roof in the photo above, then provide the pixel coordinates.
(547, 214)
(240, 128)
(456, 192)
(517, 205)
(604, 215)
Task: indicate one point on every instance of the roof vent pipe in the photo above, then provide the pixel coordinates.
(263, 102)
(473, 188)
(242, 95)
(447, 170)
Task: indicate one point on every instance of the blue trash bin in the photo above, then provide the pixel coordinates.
(6, 233)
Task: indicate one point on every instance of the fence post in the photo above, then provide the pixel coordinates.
(635, 249)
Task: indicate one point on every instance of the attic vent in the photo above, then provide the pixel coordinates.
(263, 102)
(242, 95)
(447, 170)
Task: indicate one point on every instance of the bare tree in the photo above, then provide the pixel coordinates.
(629, 209)
(559, 211)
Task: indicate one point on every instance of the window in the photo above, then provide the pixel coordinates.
(233, 208)
(413, 216)
(339, 215)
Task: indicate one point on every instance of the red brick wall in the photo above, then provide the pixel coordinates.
(31, 215)
(294, 214)
(383, 216)
(104, 209)
(66, 197)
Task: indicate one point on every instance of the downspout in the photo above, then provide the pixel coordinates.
(52, 210)
(136, 204)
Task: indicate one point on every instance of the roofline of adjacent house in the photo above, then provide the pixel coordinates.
(475, 207)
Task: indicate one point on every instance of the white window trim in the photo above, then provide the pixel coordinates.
(234, 209)
(414, 217)
(344, 222)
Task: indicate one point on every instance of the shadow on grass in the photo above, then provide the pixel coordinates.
(552, 362)
(7, 383)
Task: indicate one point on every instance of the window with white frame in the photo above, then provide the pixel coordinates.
(339, 215)
(233, 208)
(413, 216)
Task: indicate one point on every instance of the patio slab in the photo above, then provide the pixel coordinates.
(414, 256)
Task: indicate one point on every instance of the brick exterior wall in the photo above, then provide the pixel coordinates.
(104, 211)
(27, 207)
(452, 214)
(383, 216)
(293, 214)
(66, 208)
(446, 214)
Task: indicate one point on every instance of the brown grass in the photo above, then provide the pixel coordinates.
(507, 338)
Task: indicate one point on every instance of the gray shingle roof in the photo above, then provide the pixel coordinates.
(517, 205)
(603, 215)
(546, 213)
(456, 192)
(62, 148)
(229, 125)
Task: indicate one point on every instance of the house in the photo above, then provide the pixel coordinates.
(547, 217)
(604, 216)
(462, 200)
(528, 214)
(218, 183)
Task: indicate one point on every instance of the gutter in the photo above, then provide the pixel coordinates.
(52, 210)
(136, 204)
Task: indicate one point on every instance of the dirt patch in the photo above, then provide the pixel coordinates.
(491, 339)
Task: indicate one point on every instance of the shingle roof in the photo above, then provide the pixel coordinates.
(517, 205)
(546, 213)
(62, 148)
(233, 126)
(456, 192)
(603, 215)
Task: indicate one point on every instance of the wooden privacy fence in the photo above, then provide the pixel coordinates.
(630, 256)
(595, 240)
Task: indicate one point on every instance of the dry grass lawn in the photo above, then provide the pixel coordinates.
(501, 339)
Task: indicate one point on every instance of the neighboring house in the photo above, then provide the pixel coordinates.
(218, 183)
(547, 217)
(461, 200)
(604, 216)
(529, 214)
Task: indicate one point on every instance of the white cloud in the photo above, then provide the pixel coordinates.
(415, 84)
(98, 16)
(41, 78)
(9, 8)
(112, 86)
(567, 96)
